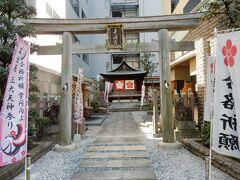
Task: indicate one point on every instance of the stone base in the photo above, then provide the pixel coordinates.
(77, 138)
(60, 148)
(187, 129)
(169, 146)
(178, 135)
(157, 135)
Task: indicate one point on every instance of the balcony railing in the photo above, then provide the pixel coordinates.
(124, 1)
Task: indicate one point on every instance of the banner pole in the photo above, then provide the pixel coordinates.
(212, 115)
(27, 118)
(77, 129)
(210, 151)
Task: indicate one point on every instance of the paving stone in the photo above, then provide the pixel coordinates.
(103, 140)
(104, 155)
(93, 164)
(117, 152)
(137, 163)
(135, 155)
(98, 175)
(139, 174)
(127, 148)
(115, 163)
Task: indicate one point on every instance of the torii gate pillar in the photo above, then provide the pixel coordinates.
(66, 96)
(165, 87)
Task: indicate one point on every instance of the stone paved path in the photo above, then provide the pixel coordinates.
(117, 152)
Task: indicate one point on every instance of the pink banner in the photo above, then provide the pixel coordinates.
(13, 116)
(78, 101)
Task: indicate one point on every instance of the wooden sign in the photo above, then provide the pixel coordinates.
(115, 37)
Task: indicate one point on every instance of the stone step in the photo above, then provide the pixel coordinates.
(140, 154)
(116, 144)
(117, 140)
(117, 148)
(147, 174)
(116, 163)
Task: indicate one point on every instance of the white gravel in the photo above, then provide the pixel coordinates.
(175, 164)
(168, 164)
(58, 165)
(180, 165)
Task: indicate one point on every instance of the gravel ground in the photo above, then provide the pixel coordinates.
(55, 165)
(180, 165)
(168, 164)
(175, 164)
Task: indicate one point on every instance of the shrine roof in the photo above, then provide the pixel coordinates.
(123, 67)
(124, 70)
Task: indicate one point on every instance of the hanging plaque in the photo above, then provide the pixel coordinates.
(115, 37)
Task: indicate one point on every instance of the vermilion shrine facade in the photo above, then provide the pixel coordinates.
(127, 82)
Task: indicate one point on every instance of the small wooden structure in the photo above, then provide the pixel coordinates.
(127, 82)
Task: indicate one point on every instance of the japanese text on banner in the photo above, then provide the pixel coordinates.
(226, 97)
(13, 116)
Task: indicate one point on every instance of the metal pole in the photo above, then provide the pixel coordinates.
(210, 151)
(207, 168)
(28, 169)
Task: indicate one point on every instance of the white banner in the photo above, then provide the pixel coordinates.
(226, 98)
(209, 89)
(78, 100)
(142, 94)
(13, 116)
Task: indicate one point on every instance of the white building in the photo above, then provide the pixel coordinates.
(65, 9)
(122, 8)
(93, 64)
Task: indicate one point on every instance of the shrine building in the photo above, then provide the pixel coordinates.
(127, 82)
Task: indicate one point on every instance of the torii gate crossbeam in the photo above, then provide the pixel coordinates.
(130, 25)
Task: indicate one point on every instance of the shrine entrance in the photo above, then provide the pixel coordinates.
(126, 81)
(115, 44)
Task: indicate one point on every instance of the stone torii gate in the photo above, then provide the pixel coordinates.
(160, 24)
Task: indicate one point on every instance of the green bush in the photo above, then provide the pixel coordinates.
(206, 134)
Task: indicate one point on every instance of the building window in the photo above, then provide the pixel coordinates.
(174, 4)
(116, 14)
(83, 15)
(75, 6)
(85, 58)
(190, 6)
(117, 59)
(50, 13)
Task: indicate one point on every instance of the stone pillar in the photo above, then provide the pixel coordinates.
(165, 87)
(155, 112)
(66, 96)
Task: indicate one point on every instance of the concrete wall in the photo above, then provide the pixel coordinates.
(49, 82)
(166, 10)
(182, 73)
(192, 64)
